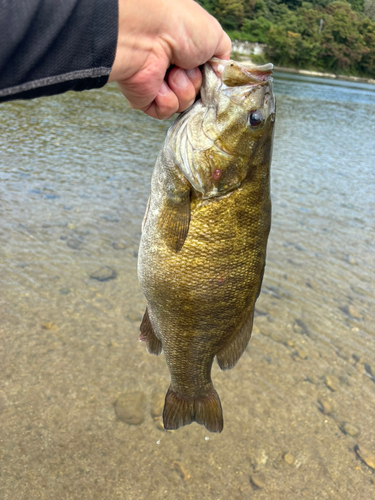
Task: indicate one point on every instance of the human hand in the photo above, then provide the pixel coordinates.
(153, 35)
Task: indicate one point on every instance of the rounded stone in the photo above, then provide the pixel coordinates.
(354, 313)
(332, 383)
(105, 273)
(130, 407)
(349, 429)
(325, 406)
(288, 458)
(258, 480)
(366, 455)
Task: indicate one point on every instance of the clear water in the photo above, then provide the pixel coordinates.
(74, 181)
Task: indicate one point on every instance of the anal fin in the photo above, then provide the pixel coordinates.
(153, 344)
(228, 357)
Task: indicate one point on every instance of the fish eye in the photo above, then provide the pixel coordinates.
(255, 118)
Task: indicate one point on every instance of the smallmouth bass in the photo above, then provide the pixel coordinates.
(204, 236)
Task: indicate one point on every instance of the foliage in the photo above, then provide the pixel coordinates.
(337, 36)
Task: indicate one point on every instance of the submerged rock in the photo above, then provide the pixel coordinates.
(49, 325)
(367, 456)
(349, 429)
(104, 274)
(332, 383)
(288, 458)
(258, 480)
(130, 407)
(325, 406)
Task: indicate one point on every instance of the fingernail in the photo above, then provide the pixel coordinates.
(180, 79)
(191, 73)
(164, 89)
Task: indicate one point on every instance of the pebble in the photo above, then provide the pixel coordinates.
(354, 312)
(182, 471)
(258, 480)
(325, 406)
(288, 458)
(64, 291)
(300, 327)
(118, 245)
(71, 225)
(331, 382)
(300, 353)
(49, 325)
(130, 407)
(349, 429)
(104, 274)
(74, 243)
(157, 404)
(366, 455)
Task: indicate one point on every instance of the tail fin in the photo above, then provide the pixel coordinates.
(205, 410)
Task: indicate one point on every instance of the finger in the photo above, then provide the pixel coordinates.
(185, 84)
(164, 105)
(224, 47)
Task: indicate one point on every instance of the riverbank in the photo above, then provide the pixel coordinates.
(306, 72)
(319, 74)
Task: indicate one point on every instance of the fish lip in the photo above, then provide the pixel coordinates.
(253, 73)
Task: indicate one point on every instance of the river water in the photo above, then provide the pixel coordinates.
(299, 408)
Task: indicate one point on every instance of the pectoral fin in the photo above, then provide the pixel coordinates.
(174, 219)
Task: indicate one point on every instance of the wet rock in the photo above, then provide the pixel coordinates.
(288, 458)
(258, 480)
(358, 289)
(181, 470)
(64, 290)
(157, 404)
(300, 327)
(354, 312)
(349, 429)
(367, 456)
(351, 260)
(104, 274)
(49, 325)
(118, 245)
(331, 382)
(130, 407)
(325, 406)
(74, 243)
(299, 354)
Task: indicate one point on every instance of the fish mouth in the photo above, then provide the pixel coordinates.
(233, 74)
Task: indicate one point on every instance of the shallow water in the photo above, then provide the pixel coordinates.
(74, 181)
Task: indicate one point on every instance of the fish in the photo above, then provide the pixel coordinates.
(203, 246)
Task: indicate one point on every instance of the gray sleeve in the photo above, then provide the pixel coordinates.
(52, 46)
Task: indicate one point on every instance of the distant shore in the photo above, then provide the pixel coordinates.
(306, 72)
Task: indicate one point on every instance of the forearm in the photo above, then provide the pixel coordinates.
(52, 46)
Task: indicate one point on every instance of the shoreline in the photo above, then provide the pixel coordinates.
(333, 76)
(306, 72)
